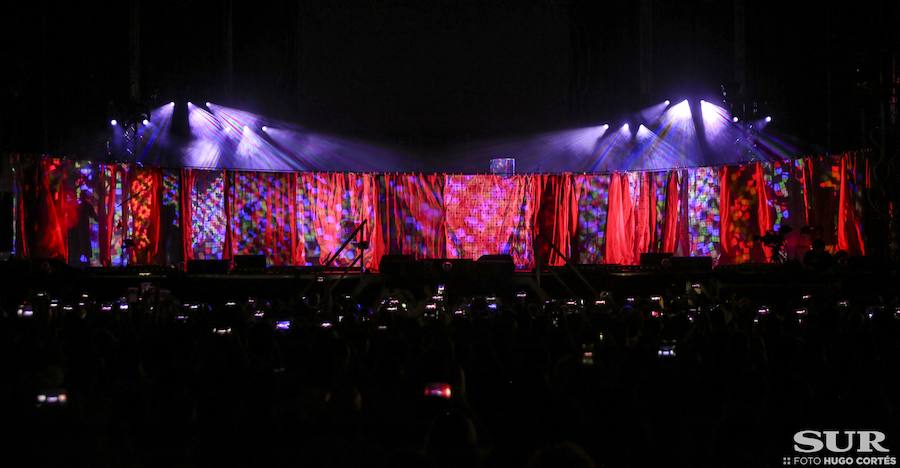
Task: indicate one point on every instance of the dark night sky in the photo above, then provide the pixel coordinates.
(430, 73)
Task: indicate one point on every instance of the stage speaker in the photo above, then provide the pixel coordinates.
(249, 262)
(654, 258)
(495, 266)
(208, 267)
(692, 264)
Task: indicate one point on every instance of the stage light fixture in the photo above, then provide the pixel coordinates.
(625, 126)
(668, 102)
(190, 103)
(113, 122)
(768, 118)
(208, 104)
(145, 122)
(265, 129)
(682, 110)
(735, 119)
(246, 128)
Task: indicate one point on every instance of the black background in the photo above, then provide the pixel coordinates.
(433, 73)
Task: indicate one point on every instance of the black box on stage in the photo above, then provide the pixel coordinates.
(208, 267)
(396, 265)
(495, 266)
(693, 264)
(654, 258)
(250, 262)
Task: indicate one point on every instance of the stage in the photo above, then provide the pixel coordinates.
(94, 214)
(857, 278)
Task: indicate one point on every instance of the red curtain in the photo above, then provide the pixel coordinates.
(849, 229)
(620, 222)
(295, 218)
(186, 186)
(555, 215)
(372, 232)
(833, 190)
(592, 203)
(489, 215)
(261, 216)
(763, 209)
(412, 214)
(298, 244)
(824, 183)
(48, 208)
(744, 213)
(144, 203)
(644, 215)
(727, 247)
(334, 205)
(672, 213)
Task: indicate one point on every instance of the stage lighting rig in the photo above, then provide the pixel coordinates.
(744, 108)
(126, 120)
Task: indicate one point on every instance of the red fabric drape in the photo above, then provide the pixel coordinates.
(187, 229)
(726, 249)
(109, 173)
(144, 204)
(844, 211)
(555, 215)
(849, 231)
(611, 218)
(372, 232)
(338, 202)
(620, 222)
(644, 215)
(744, 213)
(591, 193)
(261, 215)
(672, 214)
(298, 243)
(228, 189)
(763, 209)
(413, 215)
(489, 215)
(46, 204)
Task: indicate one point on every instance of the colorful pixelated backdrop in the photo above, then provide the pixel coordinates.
(119, 214)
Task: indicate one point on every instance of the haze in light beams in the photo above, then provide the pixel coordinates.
(662, 136)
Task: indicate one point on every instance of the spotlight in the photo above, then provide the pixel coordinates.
(682, 110)
(171, 103)
(768, 118)
(146, 122)
(190, 103)
(265, 129)
(113, 122)
(246, 128)
(625, 127)
(735, 119)
(208, 104)
(668, 102)
(227, 129)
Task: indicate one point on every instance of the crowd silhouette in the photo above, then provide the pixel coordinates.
(432, 378)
